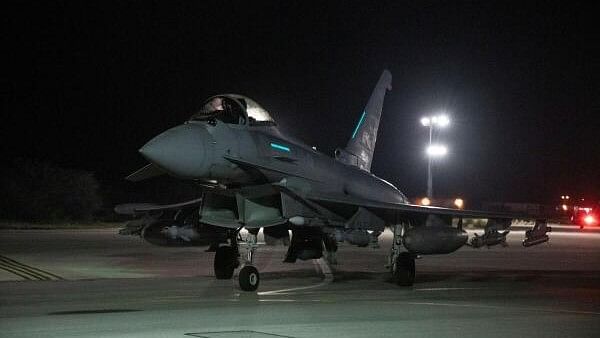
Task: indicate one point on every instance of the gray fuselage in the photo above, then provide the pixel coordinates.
(213, 151)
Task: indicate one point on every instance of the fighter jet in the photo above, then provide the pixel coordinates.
(253, 176)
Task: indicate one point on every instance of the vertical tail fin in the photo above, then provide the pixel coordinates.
(360, 147)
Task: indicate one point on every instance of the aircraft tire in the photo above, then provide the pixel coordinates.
(403, 269)
(225, 262)
(249, 278)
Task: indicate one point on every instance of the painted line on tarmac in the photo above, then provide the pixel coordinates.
(506, 307)
(557, 226)
(321, 266)
(25, 271)
(19, 271)
(15, 272)
(582, 235)
(446, 289)
(593, 235)
(552, 225)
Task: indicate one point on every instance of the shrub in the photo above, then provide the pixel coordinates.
(41, 192)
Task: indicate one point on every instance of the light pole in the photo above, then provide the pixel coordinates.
(434, 150)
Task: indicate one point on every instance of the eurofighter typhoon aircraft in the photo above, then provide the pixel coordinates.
(252, 176)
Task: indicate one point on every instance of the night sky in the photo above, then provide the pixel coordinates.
(87, 83)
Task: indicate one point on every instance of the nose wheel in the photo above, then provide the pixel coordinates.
(249, 278)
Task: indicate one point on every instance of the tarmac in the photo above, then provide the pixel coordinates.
(95, 283)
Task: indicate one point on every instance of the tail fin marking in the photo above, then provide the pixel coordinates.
(360, 147)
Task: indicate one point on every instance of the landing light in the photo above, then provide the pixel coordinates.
(459, 203)
(425, 201)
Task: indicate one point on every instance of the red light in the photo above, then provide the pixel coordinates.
(589, 219)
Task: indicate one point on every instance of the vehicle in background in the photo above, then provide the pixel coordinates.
(585, 216)
(579, 211)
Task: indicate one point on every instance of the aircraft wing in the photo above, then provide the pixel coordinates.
(133, 209)
(334, 202)
(394, 212)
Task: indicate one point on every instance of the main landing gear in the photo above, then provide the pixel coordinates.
(227, 260)
(401, 263)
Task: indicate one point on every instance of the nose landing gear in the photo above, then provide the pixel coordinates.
(227, 260)
(249, 277)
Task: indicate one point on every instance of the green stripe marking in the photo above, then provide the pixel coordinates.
(280, 147)
(362, 118)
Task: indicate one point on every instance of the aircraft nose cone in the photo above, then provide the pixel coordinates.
(182, 150)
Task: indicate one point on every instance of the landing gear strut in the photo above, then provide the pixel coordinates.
(402, 264)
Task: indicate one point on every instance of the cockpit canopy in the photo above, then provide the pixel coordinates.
(234, 109)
